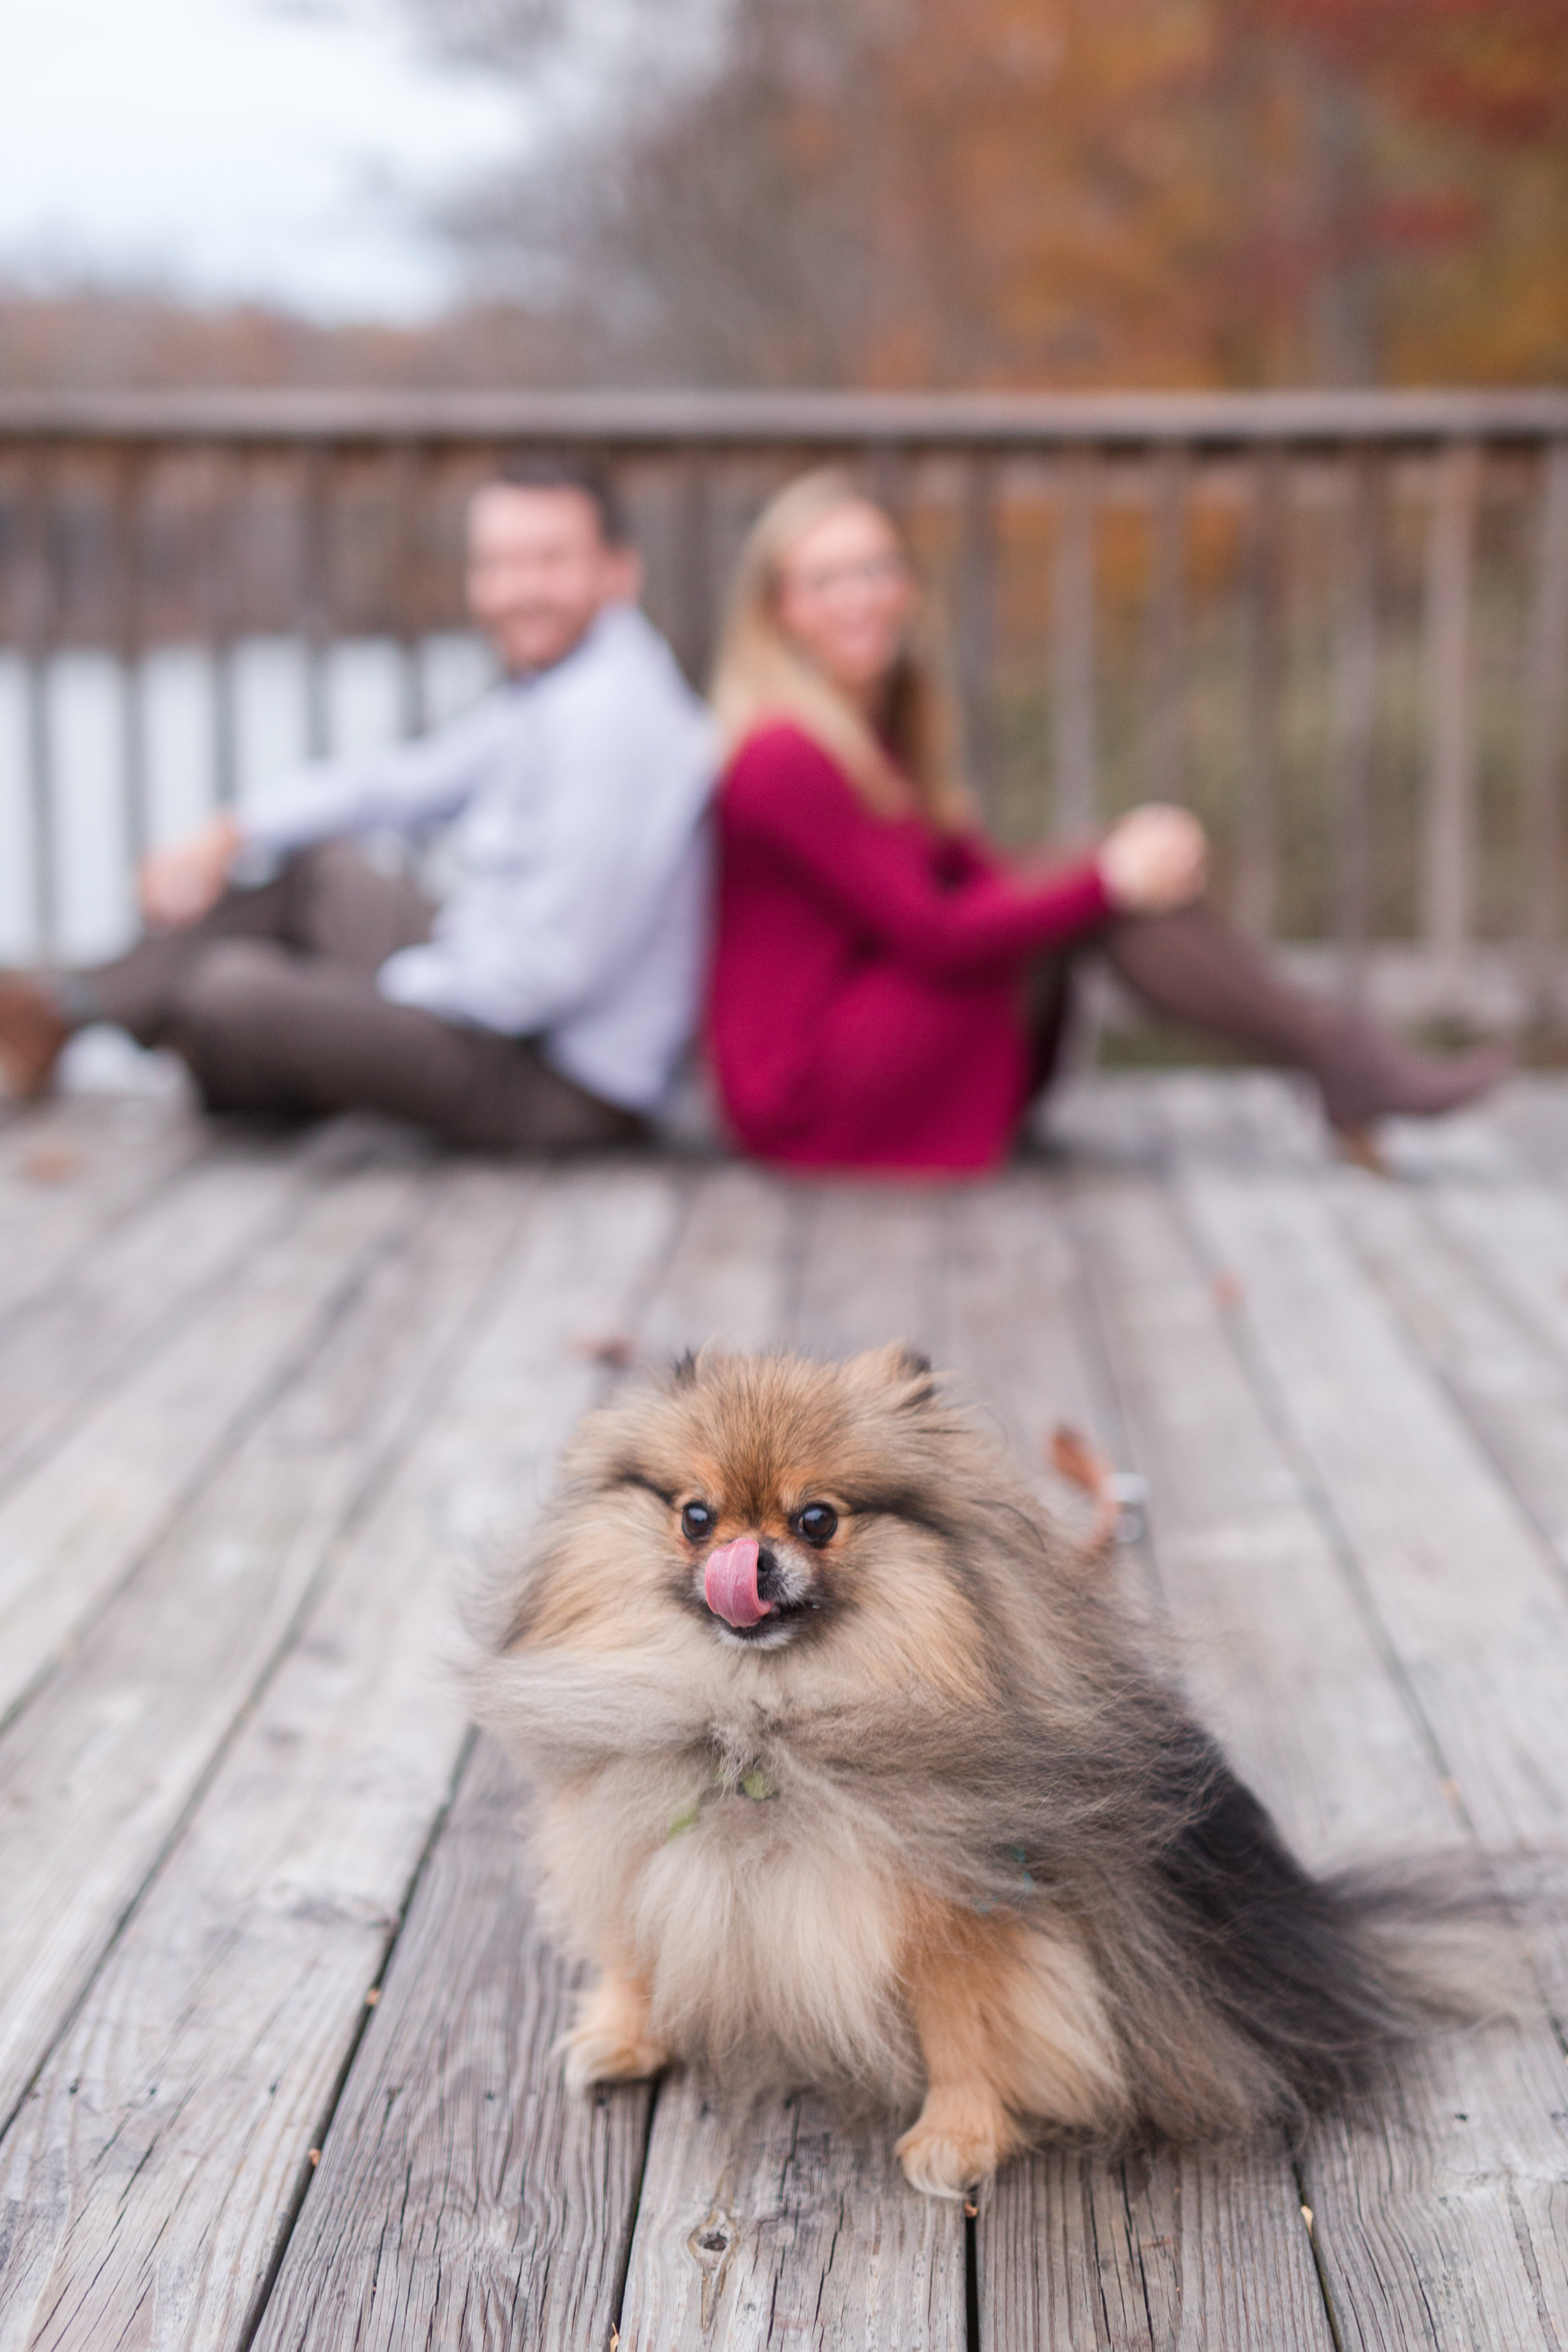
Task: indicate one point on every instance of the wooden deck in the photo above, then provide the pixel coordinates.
(275, 2019)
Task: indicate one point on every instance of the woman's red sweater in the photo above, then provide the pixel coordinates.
(866, 1008)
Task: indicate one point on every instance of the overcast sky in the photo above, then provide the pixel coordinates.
(279, 148)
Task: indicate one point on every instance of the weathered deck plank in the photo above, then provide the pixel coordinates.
(1167, 2249)
(1439, 2221)
(1359, 1520)
(81, 1521)
(154, 2169)
(772, 2225)
(99, 1770)
(70, 1170)
(128, 1291)
(1498, 1345)
(520, 2233)
(465, 2198)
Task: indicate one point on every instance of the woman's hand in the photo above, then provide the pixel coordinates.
(178, 884)
(1155, 860)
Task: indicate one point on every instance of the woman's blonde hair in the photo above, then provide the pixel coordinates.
(760, 675)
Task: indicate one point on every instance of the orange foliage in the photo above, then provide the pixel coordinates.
(1230, 191)
(1090, 192)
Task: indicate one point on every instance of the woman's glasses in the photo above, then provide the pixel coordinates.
(871, 572)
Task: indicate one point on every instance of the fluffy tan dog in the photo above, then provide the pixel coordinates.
(850, 1772)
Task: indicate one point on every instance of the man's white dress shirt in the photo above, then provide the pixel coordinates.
(579, 912)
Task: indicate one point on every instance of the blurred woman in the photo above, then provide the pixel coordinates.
(886, 990)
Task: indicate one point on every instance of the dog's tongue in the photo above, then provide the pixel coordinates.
(729, 1584)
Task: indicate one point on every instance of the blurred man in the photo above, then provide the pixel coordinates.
(544, 1004)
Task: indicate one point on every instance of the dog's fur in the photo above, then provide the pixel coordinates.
(936, 1828)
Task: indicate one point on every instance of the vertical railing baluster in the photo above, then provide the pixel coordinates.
(1358, 589)
(885, 469)
(410, 470)
(1545, 701)
(1448, 843)
(315, 606)
(130, 488)
(1165, 740)
(1263, 580)
(1075, 736)
(40, 602)
(224, 489)
(695, 598)
(976, 633)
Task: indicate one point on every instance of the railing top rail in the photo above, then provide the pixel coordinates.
(829, 420)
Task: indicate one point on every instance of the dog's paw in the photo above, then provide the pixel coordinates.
(611, 2042)
(946, 2155)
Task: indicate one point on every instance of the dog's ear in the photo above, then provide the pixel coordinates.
(896, 1371)
(687, 1369)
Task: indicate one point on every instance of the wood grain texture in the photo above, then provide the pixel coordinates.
(734, 1269)
(1440, 2216)
(1412, 1497)
(1476, 1282)
(95, 1774)
(153, 2172)
(73, 1528)
(466, 2199)
(1354, 1443)
(1174, 2249)
(871, 1267)
(128, 1290)
(108, 1155)
(775, 2226)
(1170, 2248)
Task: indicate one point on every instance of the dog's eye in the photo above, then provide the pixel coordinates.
(695, 1521)
(818, 1522)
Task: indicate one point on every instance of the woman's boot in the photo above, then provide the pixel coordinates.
(1194, 969)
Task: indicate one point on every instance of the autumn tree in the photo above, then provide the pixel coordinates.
(1068, 191)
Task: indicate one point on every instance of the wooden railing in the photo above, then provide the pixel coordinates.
(1336, 622)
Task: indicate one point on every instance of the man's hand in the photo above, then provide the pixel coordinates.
(178, 884)
(1155, 860)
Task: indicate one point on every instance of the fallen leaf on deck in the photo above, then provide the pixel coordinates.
(1228, 1290)
(618, 1349)
(1079, 1460)
(52, 1163)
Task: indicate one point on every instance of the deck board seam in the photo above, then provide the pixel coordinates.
(1321, 1504)
(260, 1401)
(309, 1603)
(688, 1191)
(301, 1184)
(252, 2326)
(1093, 1337)
(1507, 1308)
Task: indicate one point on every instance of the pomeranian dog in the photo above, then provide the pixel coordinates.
(851, 1771)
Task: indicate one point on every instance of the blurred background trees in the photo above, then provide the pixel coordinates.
(1030, 193)
(1068, 191)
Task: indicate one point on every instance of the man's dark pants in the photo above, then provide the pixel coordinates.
(272, 1001)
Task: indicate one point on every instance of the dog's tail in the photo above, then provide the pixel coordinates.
(1319, 1980)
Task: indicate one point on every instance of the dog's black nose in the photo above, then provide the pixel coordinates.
(767, 1574)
